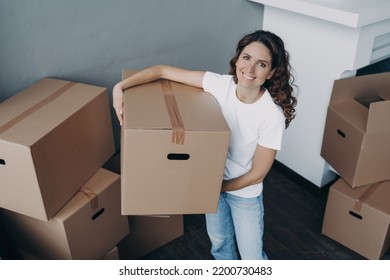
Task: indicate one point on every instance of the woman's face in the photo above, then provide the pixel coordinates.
(253, 66)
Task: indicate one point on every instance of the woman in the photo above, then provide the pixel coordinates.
(256, 99)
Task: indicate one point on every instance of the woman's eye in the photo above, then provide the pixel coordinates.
(245, 57)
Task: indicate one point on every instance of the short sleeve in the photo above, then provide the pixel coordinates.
(271, 132)
(210, 81)
(216, 84)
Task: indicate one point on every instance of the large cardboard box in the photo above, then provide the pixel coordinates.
(359, 218)
(148, 234)
(87, 227)
(54, 136)
(161, 174)
(357, 132)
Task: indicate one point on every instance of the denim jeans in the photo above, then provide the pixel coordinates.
(236, 229)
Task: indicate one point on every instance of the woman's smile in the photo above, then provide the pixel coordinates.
(248, 77)
(253, 66)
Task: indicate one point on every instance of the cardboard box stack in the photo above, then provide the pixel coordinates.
(87, 227)
(174, 147)
(356, 144)
(54, 138)
(61, 199)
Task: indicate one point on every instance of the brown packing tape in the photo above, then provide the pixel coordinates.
(365, 195)
(178, 130)
(36, 107)
(92, 197)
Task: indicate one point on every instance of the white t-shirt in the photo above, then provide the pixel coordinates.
(260, 123)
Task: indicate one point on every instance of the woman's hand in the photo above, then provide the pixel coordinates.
(117, 101)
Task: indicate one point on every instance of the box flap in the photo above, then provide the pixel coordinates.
(361, 87)
(378, 117)
(364, 101)
(198, 110)
(352, 112)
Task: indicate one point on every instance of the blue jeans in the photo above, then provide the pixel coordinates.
(236, 229)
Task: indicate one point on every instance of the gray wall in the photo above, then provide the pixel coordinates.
(91, 41)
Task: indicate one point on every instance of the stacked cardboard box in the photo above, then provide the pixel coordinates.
(56, 135)
(359, 218)
(174, 146)
(54, 138)
(357, 132)
(356, 144)
(87, 227)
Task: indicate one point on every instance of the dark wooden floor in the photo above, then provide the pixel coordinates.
(293, 221)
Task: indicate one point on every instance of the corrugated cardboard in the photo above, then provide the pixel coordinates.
(365, 231)
(148, 234)
(77, 231)
(357, 132)
(54, 136)
(154, 180)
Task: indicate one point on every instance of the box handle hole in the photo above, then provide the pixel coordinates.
(173, 156)
(2, 161)
(356, 215)
(97, 214)
(342, 134)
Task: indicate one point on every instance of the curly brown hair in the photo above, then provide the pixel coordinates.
(280, 86)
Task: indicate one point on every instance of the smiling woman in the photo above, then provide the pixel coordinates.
(253, 68)
(256, 99)
(281, 85)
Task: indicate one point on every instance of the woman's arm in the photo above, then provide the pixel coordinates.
(192, 78)
(262, 163)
